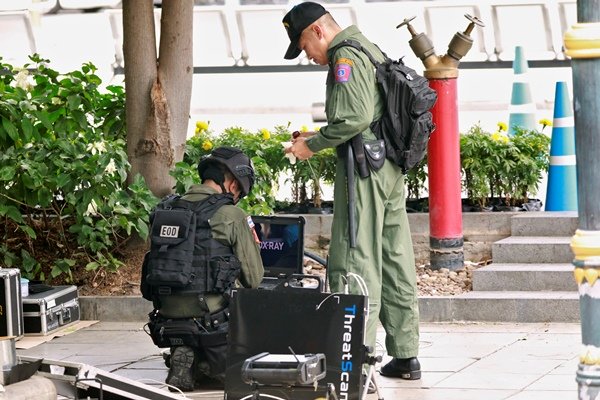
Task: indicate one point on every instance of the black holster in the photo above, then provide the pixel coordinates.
(359, 156)
(368, 155)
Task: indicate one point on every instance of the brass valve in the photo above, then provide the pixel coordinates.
(437, 67)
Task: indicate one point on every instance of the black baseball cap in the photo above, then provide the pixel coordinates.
(297, 20)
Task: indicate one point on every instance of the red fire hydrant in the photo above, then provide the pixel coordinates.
(443, 159)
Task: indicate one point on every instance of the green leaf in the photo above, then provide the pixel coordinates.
(56, 271)
(80, 118)
(42, 116)
(142, 228)
(28, 262)
(10, 128)
(55, 115)
(29, 231)
(92, 266)
(7, 173)
(11, 212)
(27, 129)
(74, 101)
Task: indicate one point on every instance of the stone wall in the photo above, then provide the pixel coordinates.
(480, 230)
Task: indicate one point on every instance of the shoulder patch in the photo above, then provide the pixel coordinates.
(343, 70)
(251, 226)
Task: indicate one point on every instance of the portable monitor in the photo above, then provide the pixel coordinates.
(281, 245)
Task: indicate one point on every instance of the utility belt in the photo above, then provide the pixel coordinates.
(213, 321)
(369, 155)
(207, 331)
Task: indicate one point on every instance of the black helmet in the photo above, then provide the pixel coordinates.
(235, 161)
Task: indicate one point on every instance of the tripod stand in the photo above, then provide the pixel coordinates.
(370, 361)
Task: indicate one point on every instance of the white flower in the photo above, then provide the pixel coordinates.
(92, 209)
(111, 167)
(56, 100)
(90, 119)
(22, 80)
(290, 156)
(96, 147)
(28, 145)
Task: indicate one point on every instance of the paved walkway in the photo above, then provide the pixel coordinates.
(461, 361)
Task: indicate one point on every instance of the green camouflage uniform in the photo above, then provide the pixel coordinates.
(383, 256)
(230, 226)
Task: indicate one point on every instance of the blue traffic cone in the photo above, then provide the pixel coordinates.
(561, 194)
(522, 108)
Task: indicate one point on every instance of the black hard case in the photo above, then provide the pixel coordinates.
(45, 312)
(11, 313)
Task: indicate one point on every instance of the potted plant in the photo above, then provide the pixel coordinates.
(312, 174)
(501, 172)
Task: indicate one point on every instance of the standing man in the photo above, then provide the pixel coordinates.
(192, 317)
(383, 254)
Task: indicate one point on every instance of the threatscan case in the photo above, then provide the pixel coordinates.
(46, 311)
(295, 344)
(11, 313)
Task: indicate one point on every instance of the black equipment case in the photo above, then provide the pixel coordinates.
(294, 324)
(11, 313)
(47, 311)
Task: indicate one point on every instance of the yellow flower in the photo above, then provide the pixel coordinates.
(316, 128)
(502, 126)
(545, 122)
(265, 133)
(201, 126)
(499, 137)
(207, 145)
(304, 128)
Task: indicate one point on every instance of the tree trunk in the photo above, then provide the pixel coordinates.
(158, 94)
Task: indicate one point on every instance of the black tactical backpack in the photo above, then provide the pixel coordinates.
(406, 123)
(183, 256)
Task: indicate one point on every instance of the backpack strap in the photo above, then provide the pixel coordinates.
(356, 44)
(218, 199)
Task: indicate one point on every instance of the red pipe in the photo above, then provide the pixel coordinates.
(443, 157)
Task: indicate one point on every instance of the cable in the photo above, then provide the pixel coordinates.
(316, 258)
(326, 298)
(262, 395)
(361, 283)
(164, 384)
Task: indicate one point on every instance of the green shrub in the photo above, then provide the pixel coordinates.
(264, 148)
(497, 165)
(415, 180)
(63, 166)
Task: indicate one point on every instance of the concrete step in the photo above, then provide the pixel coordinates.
(526, 277)
(532, 249)
(525, 307)
(495, 306)
(555, 223)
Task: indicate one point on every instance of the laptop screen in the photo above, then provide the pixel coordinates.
(281, 244)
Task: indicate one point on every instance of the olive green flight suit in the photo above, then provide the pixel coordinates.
(383, 256)
(230, 226)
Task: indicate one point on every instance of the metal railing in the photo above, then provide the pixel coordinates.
(235, 37)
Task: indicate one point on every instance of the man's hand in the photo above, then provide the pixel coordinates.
(299, 149)
(298, 134)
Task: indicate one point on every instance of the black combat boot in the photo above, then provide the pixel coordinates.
(181, 371)
(405, 368)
